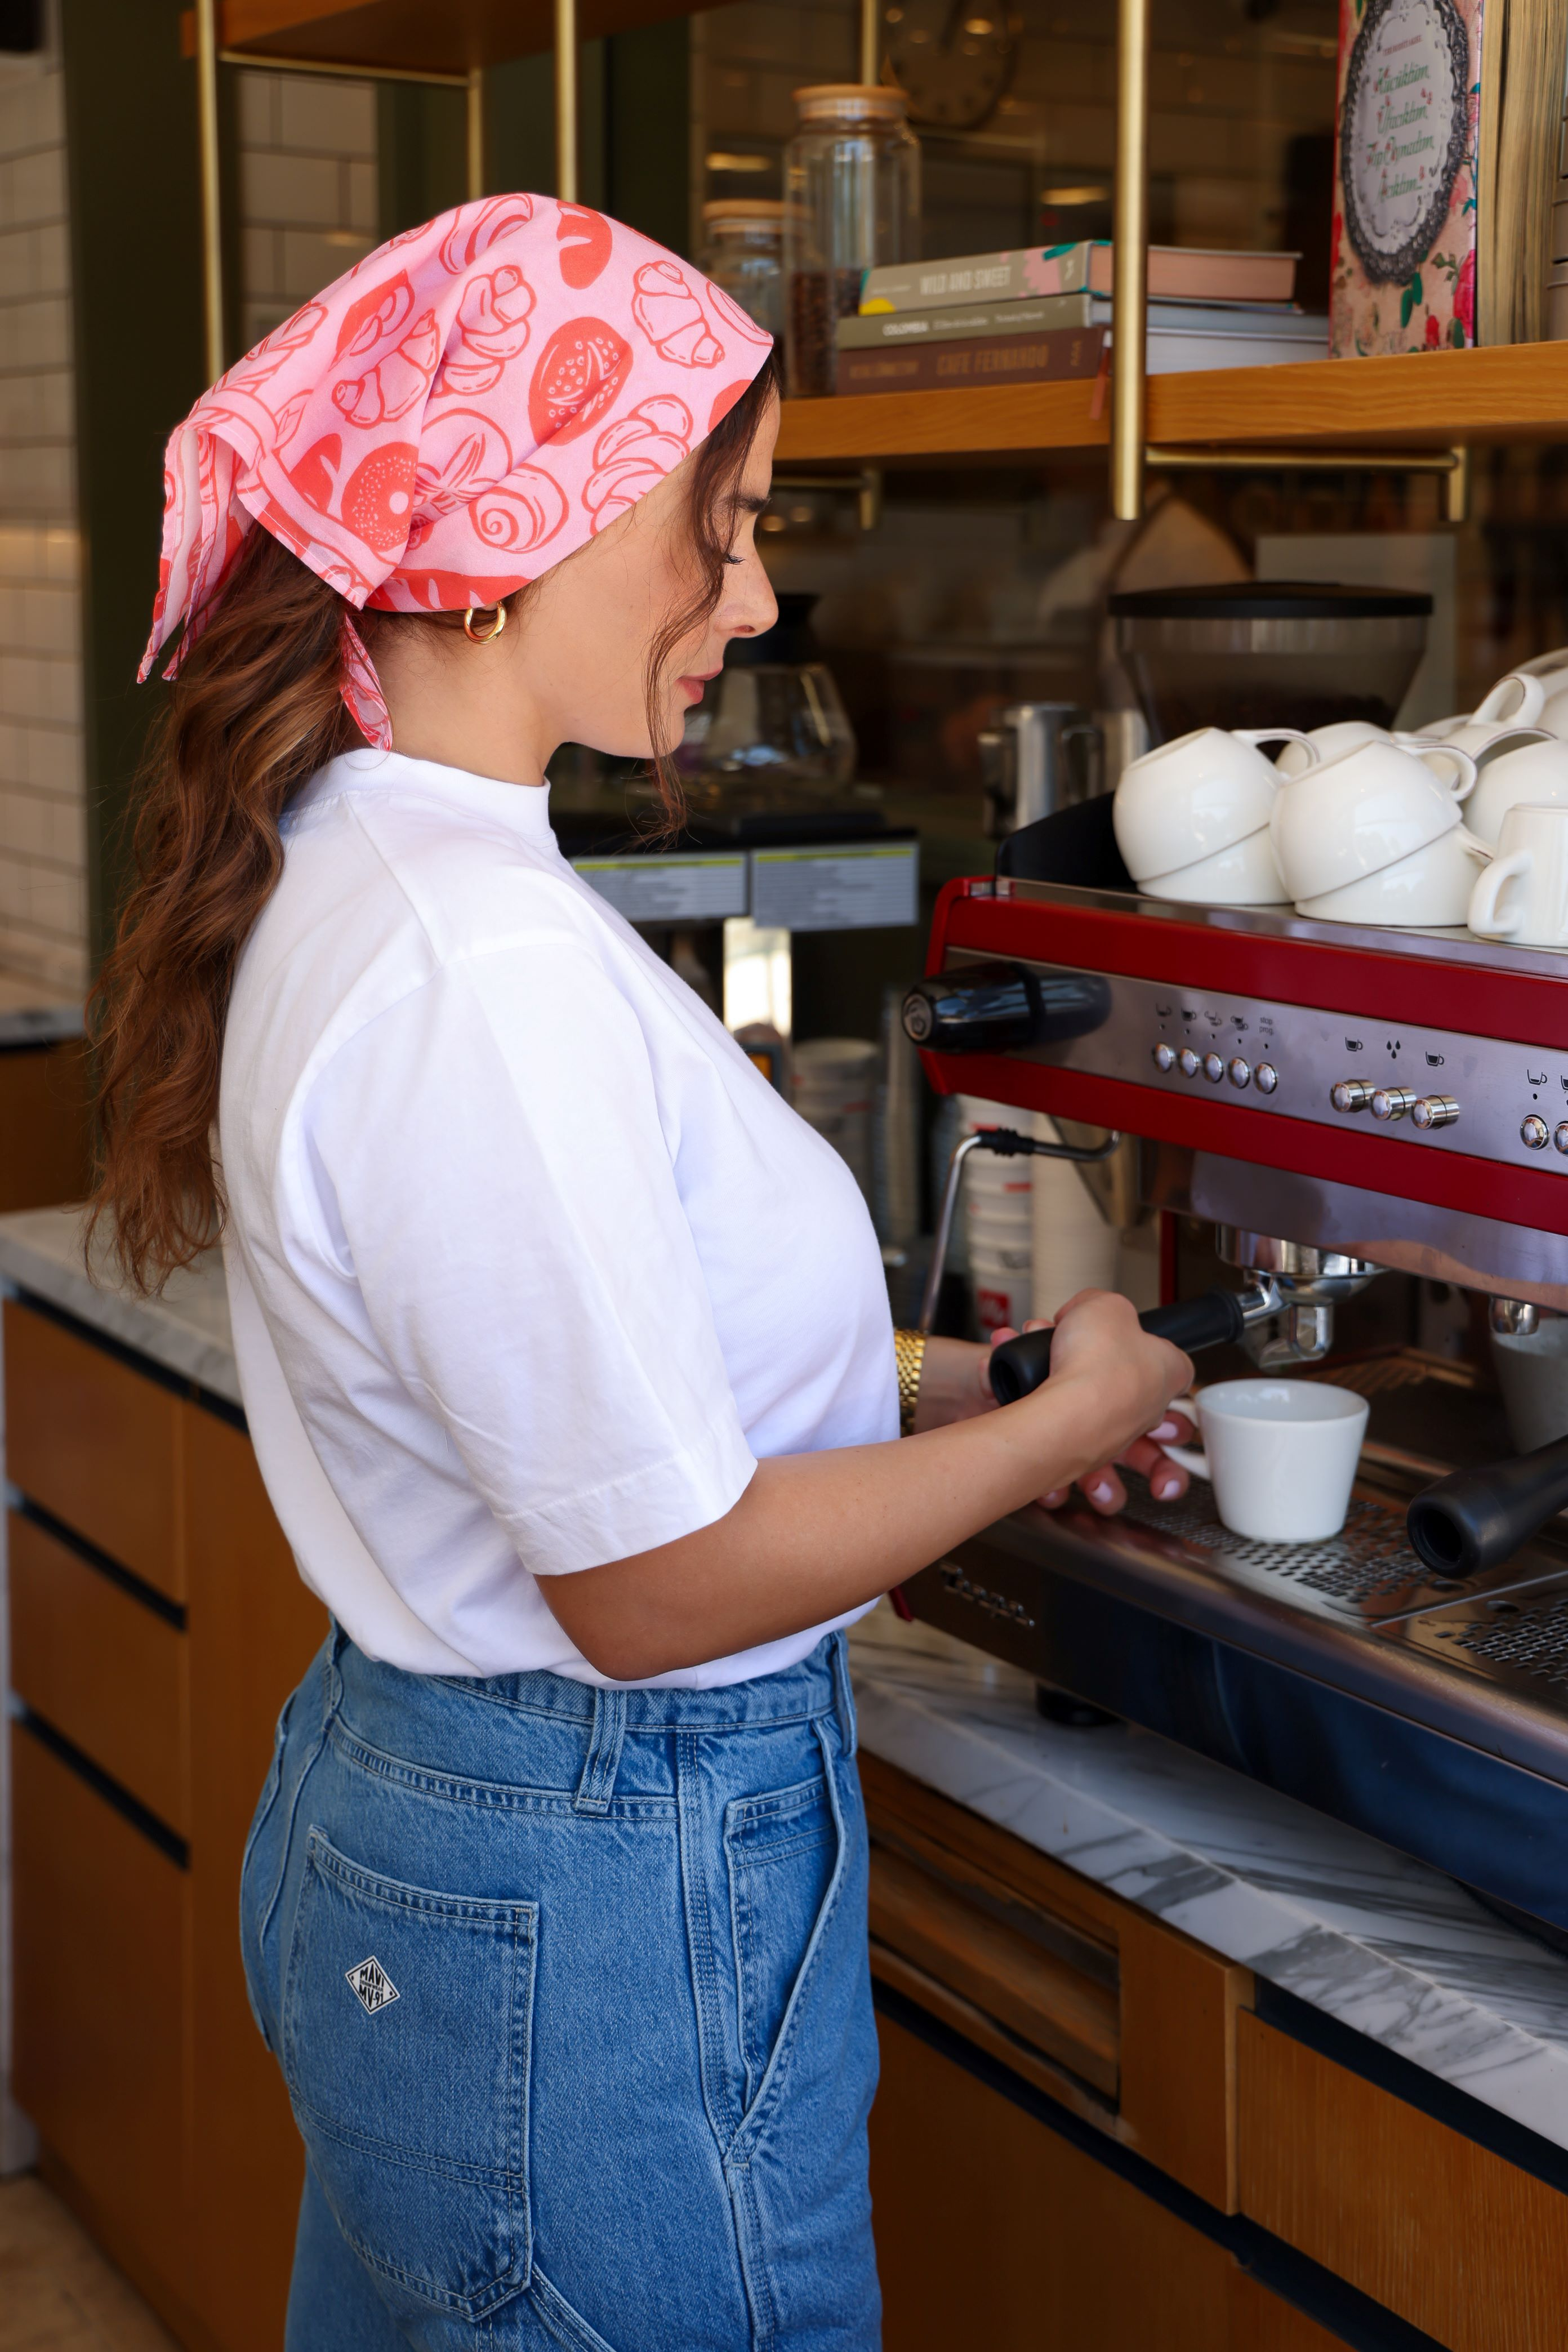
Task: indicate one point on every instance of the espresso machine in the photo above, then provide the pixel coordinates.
(1332, 1102)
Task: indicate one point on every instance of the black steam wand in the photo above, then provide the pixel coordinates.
(1019, 1366)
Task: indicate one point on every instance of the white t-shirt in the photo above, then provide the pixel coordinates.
(529, 1265)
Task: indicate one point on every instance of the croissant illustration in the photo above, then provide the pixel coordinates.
(673, 317)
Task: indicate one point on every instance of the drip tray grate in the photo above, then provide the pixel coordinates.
(1517, 1639)
(1368, 1570)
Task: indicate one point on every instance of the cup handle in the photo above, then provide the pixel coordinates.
(1463, 783)
(1482, 851)
(1187, 1457)
(1255, 735)
(1483, 918)
(1531, 700)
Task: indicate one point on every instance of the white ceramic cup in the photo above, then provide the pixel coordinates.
(1535, 773)
(1516, 696)
(1365, 810)
(1244, 874)
(1428, 891)
(1523, 894)
(1344, 735)
(1486, 739)
(1190, 799)
(1282, 1456)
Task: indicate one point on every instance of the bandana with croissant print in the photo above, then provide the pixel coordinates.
(468, 404)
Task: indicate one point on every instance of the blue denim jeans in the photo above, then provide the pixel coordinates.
(570, 1990)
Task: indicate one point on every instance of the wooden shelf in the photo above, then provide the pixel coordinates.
(1418, 401)
(415, 36)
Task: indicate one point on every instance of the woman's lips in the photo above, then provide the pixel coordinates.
(695, 687)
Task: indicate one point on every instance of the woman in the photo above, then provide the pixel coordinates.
(564, 1342)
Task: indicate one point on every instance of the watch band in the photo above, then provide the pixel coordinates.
(909, 1354)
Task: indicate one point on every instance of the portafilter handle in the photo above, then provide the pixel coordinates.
(1477, 1520)
(1019, 1366)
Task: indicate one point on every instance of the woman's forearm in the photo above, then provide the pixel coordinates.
(816, 1533)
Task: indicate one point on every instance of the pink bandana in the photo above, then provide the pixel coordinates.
(470, 404)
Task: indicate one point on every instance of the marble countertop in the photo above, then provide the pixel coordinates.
(1382, 1943)
(186, 1330)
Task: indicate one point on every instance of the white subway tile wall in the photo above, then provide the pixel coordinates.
(43, 786)
(307, 190)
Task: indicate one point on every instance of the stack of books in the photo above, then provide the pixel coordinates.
(1044, 312)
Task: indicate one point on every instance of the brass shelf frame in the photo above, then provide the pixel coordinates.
(210, 55)
(1131, 454)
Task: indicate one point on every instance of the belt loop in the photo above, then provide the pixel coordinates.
(333, 1680)
(597, 1785)
(844, 1695)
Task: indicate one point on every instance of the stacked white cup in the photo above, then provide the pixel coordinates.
(833, 1084)
(998, 1213)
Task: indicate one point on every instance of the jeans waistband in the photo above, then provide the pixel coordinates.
(817, 1686)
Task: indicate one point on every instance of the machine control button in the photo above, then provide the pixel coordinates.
(1534, 1131)
(1188, 1063)
(1265, 1077)
(1560, 1136)
(1391, 1102)
(1442, 1111)
(1213, 1068)
(1239, 1072)
(1351, 1094)
(1164, 1057)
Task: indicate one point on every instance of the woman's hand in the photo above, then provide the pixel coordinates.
(955, 1385)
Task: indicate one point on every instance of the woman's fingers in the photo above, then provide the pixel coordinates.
(1167, 1479)
(1103, 1491)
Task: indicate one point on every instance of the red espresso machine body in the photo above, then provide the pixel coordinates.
(1397, 1097)
(1240, 1037)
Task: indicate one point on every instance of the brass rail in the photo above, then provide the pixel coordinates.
(566, 100)
(1130, 452)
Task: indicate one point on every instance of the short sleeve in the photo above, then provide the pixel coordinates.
(488, 1157)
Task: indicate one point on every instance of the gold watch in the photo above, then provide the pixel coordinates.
(909, 1354)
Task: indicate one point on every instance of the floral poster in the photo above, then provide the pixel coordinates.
(1404, 259)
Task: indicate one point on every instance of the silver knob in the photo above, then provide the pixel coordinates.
(1239, 1072)
(1560, 1136)
(1265, 1077)
(1535, 1132)
(1390, 1102)
(1351, 1094)
(1213, 1068)
(1188, 1063)
(1438, 1110)
(1164, 1057)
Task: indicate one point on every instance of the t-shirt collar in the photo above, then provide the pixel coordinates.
(524, 808)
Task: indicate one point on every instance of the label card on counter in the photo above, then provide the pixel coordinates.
(699, 887)
(862, 887)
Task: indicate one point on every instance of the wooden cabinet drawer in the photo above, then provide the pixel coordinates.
(102, 1666)
(995, 2231)
(99, 2001)
(1461, 2243)
(96, 1444)
(45, 1125)
(1126, 2022)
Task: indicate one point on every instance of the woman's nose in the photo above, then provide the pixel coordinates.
(751, 606)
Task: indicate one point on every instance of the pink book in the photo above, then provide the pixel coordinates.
(1403, 270)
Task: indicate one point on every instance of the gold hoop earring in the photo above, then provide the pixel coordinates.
(489, 636)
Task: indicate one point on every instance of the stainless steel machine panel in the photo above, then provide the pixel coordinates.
(1500, 1100)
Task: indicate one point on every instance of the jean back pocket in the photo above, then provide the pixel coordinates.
(781, 1849)
(407, 2017)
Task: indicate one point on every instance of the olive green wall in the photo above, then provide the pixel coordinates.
(136, 281)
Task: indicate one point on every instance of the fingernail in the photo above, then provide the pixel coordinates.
(1161, 1487)
(1099, 1490)
(1166, 1428)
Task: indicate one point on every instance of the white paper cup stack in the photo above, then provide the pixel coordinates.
(998, 1210)
(834, 1084)
(1074, 1248)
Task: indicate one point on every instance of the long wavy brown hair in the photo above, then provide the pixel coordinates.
(253, 714)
